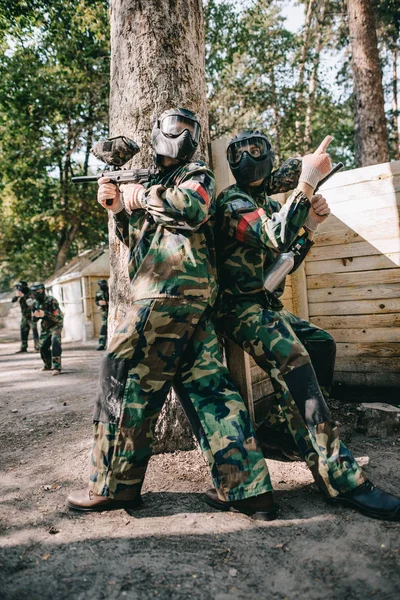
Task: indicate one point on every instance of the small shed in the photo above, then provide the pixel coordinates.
(74, 286)
(349, 283)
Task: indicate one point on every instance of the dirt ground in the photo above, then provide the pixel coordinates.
(175, 546)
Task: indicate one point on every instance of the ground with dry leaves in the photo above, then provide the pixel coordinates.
(175, 547)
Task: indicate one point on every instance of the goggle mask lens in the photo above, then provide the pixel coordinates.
(257, 148)
(175, 125)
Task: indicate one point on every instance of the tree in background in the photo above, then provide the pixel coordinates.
(387, 14)
(260, 74)
(372, 145)
(54, 73)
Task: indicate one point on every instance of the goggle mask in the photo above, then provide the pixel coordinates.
(256, 147)
(175, 125)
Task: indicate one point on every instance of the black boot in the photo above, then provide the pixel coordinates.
(371, 501)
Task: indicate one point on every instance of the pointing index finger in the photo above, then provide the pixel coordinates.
(323, 145)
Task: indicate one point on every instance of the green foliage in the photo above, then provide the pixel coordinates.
(252, 67)
(54, 75)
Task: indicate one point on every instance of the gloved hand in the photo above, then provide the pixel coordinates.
(317, 165)
(109, 191)
(318, 212)
(133, 195)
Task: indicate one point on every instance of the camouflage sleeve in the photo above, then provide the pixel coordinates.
(52, 310)
(186, 205)
(285, 178)
(251, 226)
(121, 220)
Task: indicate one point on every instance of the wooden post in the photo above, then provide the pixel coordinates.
(299, 290)
(220, 166)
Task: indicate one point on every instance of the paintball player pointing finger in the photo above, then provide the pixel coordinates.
(252, 231)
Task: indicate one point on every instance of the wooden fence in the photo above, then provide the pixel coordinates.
(349, 284)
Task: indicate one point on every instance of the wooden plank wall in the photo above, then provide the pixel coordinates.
(353, 274)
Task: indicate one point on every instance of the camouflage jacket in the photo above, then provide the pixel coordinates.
(25, 309)
(102, 295)
(171, 247)
(52, 312)
(252, 229)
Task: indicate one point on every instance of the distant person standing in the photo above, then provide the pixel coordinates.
(22, 295)
(102, 302)
(48, 310)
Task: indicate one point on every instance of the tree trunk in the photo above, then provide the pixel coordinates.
(302, 67)
(67, 237)
(157, 62)
(371, 137)
(395, 106)
(275, 109)
(312, 86)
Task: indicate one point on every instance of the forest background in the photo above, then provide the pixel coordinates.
(54, 92)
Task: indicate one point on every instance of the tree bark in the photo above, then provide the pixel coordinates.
(157, 62)
(302, 67)
(312, 86)
(275, 109)
(68, 235)
(371, 137)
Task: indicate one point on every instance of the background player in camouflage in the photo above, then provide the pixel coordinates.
(102, 302)
(22, 294)
(47, 309)
(251, 230)
(173, 286)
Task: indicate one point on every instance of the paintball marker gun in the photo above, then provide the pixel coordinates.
(284, 263)
(115, 152)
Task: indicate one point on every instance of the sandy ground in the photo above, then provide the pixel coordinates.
(175, 546)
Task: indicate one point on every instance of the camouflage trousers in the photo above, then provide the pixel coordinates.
(278, 342)
(103, 329)
(50, 346)
(158, 339)
(26, 325)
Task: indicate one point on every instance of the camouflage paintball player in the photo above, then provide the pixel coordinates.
(101, 301)
(252, 229)
(22, 295)
(47, 309)
(167, 225)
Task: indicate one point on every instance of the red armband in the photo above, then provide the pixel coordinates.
(245, 222)
(198, 188)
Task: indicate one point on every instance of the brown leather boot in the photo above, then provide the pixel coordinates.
(261, 507)
(87, 501)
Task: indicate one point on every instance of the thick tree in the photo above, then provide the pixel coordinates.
(157, 62)
(372, 145)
